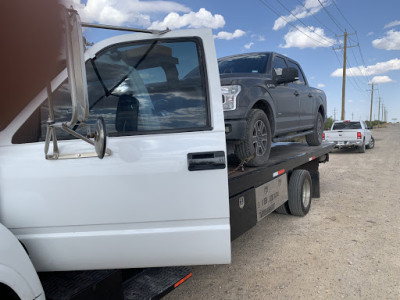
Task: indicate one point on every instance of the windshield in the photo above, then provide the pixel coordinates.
(346, 125)
(248, 63)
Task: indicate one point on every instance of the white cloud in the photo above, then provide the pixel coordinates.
(350, 101)
(202, 18)
(320, 85)
(311, 39)
(310, 8)
(381, 79)
(370, 33)
(123, 12)
(389, 42)
(249, 45)
(392, 24)
(258, 37)
(379, 68)
(223, 35)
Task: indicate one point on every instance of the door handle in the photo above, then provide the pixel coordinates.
(296, 93)
(310, 95)
(206, 161)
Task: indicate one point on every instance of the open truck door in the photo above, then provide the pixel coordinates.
(159, 197)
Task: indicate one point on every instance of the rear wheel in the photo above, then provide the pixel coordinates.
(371, 144)
(257, 144)
(315, 138)
(283, 209)
(300, 187)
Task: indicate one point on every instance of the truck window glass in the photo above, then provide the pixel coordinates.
(346, 125)
(278, 64)
(249, 63)
(138, 88)
(301, 79)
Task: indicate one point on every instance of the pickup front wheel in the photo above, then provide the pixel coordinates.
(256, 146)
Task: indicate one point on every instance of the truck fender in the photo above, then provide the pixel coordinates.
(16, 269)
(261, 99)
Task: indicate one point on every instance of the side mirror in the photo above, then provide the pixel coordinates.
(288, 75)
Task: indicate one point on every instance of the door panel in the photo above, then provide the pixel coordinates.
(141, 206)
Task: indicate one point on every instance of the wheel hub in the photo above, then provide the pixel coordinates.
(260, 138)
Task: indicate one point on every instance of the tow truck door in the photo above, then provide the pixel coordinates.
(161, 197)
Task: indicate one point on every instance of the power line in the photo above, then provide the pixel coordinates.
(294, 26)
(333, 1)
(331, 17)
(313, 15)
(288, 10)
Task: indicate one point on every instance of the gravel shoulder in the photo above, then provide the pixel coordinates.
(346, 247)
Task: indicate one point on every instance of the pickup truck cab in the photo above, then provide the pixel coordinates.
(350, 134)
(266, 96)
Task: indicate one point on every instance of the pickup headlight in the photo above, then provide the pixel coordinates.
(229, 94)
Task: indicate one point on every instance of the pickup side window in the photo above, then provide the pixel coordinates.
(278, 64)
(142, 87)
(301, 79)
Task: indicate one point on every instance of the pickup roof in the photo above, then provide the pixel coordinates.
(347, 134)
(266, 96)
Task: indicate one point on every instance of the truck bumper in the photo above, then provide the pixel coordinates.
(348, 144)
(235, 130)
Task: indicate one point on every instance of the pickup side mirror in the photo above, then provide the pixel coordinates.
(288, 75)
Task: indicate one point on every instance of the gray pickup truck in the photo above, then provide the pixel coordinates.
(266, 99)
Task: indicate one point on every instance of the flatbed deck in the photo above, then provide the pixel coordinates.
(284, 156)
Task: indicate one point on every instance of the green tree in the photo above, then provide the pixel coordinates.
(328, 123)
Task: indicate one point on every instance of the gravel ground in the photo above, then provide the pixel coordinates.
(346, 247)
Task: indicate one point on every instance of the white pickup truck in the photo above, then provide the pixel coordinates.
(350, 134)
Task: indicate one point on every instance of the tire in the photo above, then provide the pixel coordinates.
(371, 144)
(300, 187)
(361, 149)
(257, 142)
(315, 138)
(283, 209)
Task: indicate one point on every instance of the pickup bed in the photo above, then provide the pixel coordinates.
(350, 134)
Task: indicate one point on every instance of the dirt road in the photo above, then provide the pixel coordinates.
(348, 246)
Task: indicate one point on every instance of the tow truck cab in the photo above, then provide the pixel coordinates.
(159, 195)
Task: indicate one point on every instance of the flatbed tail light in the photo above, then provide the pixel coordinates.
(358, 135)
(323, 136)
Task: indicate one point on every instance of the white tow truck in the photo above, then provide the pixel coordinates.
(350, 134)
(162, 195)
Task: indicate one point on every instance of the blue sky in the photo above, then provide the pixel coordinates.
(305, 30)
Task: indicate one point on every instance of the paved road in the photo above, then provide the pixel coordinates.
(348, 246)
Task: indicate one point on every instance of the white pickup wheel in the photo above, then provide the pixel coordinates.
(300, 187)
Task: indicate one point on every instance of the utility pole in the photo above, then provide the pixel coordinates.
(344, 69)
(379, 109)
(334, 114)
(372, 100)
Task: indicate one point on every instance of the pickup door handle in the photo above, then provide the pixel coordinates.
(206, 161)
(310, 95)
(296, 93)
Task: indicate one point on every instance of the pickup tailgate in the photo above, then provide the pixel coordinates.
(343, 137)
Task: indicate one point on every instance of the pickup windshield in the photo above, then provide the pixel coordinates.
(347, 125)
(249, 63)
